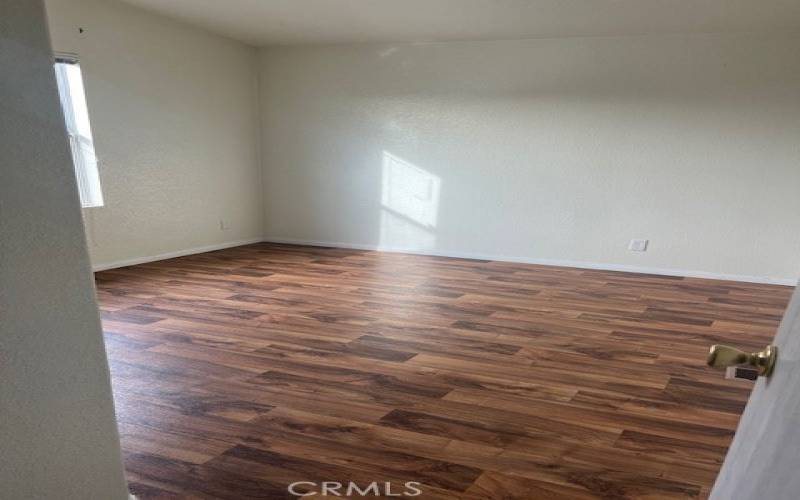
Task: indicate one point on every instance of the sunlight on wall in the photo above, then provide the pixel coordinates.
(409, 205)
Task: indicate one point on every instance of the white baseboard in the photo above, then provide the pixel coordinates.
(171, 255)
(460, 255)
(547, 262)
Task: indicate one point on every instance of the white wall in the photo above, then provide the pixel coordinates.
(543, 150)
(175, 126)
(58, 437)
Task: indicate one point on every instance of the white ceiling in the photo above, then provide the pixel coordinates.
(267, 22)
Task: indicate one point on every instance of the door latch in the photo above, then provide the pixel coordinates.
(722, 357)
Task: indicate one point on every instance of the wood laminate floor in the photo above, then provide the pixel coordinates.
(238, 372)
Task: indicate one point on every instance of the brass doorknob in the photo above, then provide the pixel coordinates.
(722, 356)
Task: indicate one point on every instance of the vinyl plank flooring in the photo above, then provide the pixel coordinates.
(241, 371)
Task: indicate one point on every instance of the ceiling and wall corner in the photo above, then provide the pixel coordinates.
(291, 22)
(651, 121)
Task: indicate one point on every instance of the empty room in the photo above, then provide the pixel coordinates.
(435, 249)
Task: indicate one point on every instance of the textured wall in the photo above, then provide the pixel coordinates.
(57, 431)
(543, 150)
(175, 126)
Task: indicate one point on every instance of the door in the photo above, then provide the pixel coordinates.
(764, 458)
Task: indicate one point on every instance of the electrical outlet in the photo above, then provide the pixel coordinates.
(223, 226)
(638, 245)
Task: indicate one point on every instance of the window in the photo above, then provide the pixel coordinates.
(76, 115)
